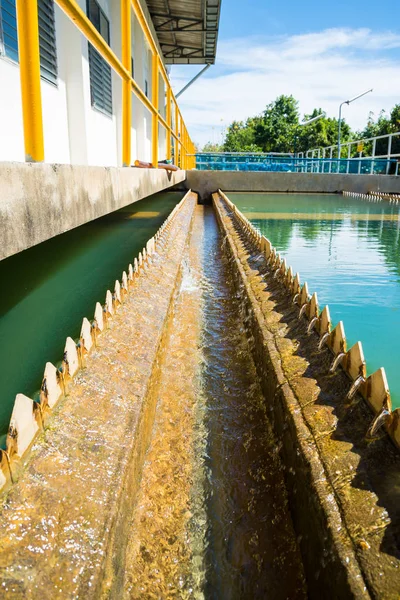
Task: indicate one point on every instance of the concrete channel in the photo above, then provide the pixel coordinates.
(201, 449)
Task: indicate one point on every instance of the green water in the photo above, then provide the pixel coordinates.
(48, 289)
(348, 250)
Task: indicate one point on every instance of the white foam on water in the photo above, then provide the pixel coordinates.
(189, 282)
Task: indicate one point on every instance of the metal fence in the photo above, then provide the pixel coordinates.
(382, 147)
(289, 163)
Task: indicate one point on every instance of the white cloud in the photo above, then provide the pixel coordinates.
(320, 69)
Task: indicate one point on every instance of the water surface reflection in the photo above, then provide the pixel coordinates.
(349, 252)
(48, 289)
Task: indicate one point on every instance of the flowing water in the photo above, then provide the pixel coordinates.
(212, 519)
(348, 250)
(48, 289)
(251, 546)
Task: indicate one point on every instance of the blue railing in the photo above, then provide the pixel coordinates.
(292, 164)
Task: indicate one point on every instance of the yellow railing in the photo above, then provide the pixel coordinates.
(29, 58)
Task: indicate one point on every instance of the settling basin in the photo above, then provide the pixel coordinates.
(194, 506)
(48, 289)
(348, 250)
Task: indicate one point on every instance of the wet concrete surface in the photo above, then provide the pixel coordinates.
(161, 476)
(165, 551)
(62, 525)
(344, 491)
(212, 518)
(170, 387)
(252, 546)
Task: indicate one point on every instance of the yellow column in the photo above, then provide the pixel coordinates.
(192, 158)
(29, 68)
(154, 96)
(168, 119)
(176, 142)
(180, 141)
(126, 53)
(184, 150)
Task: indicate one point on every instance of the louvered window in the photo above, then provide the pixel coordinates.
(100, 71)
(8, 29)
(47, 40)
(47, 36)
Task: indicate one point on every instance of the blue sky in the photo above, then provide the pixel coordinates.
(321, 52)
(266, 17)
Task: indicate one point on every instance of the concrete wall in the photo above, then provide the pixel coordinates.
(207, 182)
(334, 477)
(40, 201)
(74, 131)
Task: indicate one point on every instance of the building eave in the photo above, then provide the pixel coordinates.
(187, 30)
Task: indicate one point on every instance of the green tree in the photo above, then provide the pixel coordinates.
(210, 147)
(395, 119)
(240, 136)
(278, 129)
(275, 130)
(383, 125)
(321, 133)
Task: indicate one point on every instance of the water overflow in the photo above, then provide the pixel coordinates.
(225, 504)
(54, 285)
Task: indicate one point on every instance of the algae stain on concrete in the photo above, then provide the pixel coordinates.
(164, 555)
(211, 518)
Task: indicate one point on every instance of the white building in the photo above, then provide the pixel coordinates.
(81, 95)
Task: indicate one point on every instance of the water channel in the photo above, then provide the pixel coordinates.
(212, 518)
(48, 289)
(348, 250)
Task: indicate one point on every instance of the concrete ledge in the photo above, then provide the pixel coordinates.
(40, 201)
(207, 182)
(343, 490)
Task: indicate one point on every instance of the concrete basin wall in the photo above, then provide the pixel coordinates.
(207, 182)
(40, 201)
(74, 488)
(343, 491)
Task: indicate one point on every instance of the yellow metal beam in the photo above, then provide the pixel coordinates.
(154, 97)
(150, 40)
(144, 26)
(148, 35)
(168, 115)
(180, 130)
(176, 135)
(185, 147)
(29, 63)
(76, 14)
(126, 53)
(28, 40)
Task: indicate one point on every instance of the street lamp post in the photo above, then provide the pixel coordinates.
(321, 116)
(340, 115)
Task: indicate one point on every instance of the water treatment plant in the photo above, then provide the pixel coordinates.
(199, 387)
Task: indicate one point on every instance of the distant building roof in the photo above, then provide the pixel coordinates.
(187, 30)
